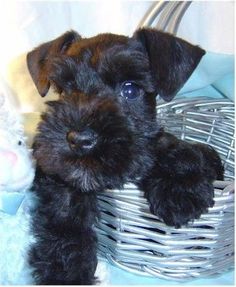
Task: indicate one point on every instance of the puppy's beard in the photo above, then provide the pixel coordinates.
(85, 180)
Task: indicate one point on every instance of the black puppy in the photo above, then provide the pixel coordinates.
(102, 133)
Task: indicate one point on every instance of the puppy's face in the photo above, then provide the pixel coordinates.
(99, 133)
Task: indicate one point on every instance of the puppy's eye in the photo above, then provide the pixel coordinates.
(130, 91)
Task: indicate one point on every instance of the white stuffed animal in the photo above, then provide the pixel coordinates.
(16, 176)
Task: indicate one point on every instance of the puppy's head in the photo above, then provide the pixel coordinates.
(99, 133)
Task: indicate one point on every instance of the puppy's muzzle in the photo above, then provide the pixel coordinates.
(82, 142)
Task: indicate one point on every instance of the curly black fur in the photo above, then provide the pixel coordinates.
(98, 135)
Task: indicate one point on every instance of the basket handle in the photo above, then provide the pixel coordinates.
(168, 15)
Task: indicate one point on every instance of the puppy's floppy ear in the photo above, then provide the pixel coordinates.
(172, 60)
(39, 61)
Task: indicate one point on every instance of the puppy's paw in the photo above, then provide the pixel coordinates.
(177, 203)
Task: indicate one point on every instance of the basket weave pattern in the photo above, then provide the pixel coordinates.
(134, 239)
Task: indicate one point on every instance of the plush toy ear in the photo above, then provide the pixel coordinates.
(39, 61)
(172, 60)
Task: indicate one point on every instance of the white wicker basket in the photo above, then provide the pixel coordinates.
(135, 240)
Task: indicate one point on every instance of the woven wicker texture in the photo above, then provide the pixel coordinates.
(135, 240)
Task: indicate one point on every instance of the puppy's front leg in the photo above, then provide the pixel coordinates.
(65, 249)
(179, 187)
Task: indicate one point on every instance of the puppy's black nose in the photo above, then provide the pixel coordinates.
(82, 141)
